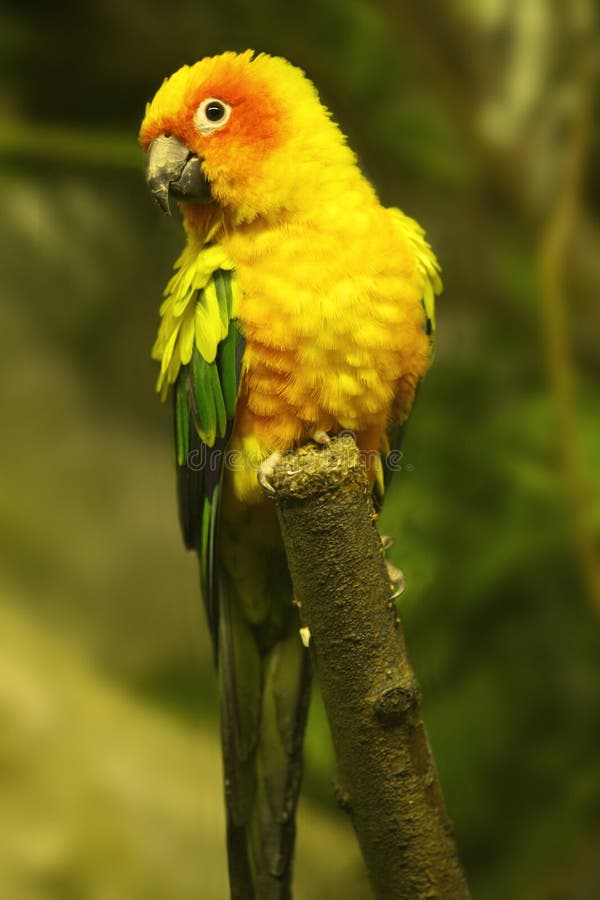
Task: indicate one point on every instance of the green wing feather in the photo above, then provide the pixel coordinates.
(205, 400)
(264, 670)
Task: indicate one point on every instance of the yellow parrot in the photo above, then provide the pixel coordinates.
(299, 308)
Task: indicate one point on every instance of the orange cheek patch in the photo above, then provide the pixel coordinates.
(257, 124)
(261, 124)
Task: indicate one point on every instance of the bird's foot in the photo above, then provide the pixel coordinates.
(305, 636)
(266, 469)
(320, 437)
(395, 575)
(397, 579)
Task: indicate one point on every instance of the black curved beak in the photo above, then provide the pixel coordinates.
(171, 168)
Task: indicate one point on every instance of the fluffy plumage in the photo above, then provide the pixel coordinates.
(331, 297)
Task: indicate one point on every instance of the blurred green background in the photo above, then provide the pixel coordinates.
(479, 119)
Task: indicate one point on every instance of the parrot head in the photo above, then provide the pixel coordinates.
(245, 131)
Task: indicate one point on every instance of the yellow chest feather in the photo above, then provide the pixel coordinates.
(333, 324)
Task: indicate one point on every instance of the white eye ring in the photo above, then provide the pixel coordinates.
(211, 115)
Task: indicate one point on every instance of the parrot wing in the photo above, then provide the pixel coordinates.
(205, 398)
(264, 670)
(429, 270)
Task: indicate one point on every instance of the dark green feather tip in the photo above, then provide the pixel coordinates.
(205, 398)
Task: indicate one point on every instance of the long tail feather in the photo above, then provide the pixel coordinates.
(264, 701)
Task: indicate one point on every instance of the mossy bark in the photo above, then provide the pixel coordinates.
(386, 778)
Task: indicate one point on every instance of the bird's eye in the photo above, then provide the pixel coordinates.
(214, 111)
(211, 115)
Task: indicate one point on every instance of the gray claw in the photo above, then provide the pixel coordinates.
(397, 579)
(265, 471)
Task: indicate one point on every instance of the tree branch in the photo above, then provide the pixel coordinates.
(386, 777)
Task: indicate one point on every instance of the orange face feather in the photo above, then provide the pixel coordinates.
(236, 157)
